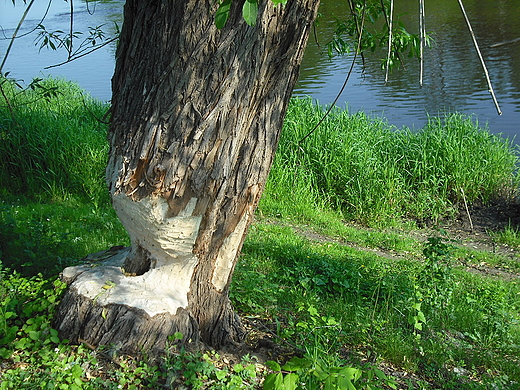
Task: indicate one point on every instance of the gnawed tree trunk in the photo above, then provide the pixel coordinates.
(196, 117)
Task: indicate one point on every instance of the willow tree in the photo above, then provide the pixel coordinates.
(197, 109)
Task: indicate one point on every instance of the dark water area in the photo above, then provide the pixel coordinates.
(453, 78)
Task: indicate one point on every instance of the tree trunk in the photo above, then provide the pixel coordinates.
(196, 118)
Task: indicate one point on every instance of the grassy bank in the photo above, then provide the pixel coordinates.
(377, 174)
(53, 147)
(377, 303)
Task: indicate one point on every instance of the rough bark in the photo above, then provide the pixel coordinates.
(196, 118)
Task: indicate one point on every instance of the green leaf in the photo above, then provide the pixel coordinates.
(273, 381)
(312, 311)
(296, 364)
(5, 353)
(345, 383)
(108, 285)
(351, 373)
(9, 314)
(273, 365)
(320, 373)
(220, 374)
(20, 344)
(290, 381)
(34, 335)
(329, 383)
(222, 14)
(250, 11)
(380, 374)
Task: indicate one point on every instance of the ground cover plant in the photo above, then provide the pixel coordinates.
(339, 284)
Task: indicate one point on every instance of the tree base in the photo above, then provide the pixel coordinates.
(97, 320)
(125, 329)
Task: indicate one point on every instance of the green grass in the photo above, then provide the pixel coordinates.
(46, 237)
(376, 174)
(53, 147)
(510, 235)
(310, 271)
(471, 322)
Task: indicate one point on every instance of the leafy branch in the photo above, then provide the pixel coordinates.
(95, 39)
(371, 37)
(249, 11)
(44, 92)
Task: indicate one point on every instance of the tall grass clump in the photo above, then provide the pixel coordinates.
(455, 160)
(52, 145)
(375, 173)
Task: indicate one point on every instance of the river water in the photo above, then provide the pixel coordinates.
(453, 78)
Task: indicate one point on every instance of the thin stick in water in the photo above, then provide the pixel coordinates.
(423, 34)
(481, 58)
(390, 27)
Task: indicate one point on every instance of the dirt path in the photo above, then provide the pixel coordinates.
(473, 230)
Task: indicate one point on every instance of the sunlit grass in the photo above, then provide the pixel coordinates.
(47, 237)
(53, 147)
(510, 235)
(310, 269)
(471, 323)
(376, 174)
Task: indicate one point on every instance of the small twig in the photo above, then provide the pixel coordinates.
(505, 43)
(467, 209)
(315, 33)
(102, 354)
(69, 49)
(9, 105)
(481, 58)
(100, 120)
(396, 49)
(75, 57)
(29, 32)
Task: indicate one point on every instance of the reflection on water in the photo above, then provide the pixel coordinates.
(453, 79)
(92, 72)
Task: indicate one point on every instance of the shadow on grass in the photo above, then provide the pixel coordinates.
(31, 248)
